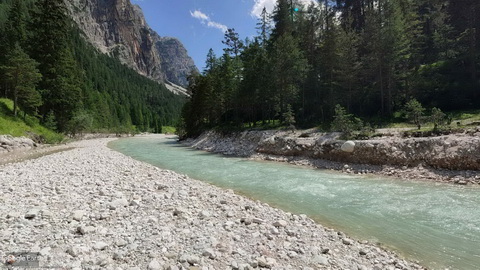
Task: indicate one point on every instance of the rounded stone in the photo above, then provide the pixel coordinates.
(348, 146)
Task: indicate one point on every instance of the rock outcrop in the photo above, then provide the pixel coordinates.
(9, 143)
(119, 28)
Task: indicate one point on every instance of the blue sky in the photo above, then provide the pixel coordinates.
(200, 24)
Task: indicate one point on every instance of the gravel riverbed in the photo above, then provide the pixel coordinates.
(94, 208)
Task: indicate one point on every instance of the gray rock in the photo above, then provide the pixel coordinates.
(210, 253)
(100, 245)
(135, 203)
(258, 220)
(13, 214)
(348, 146)
(346, 241)
(179, 211)
(320, 259)
(85, 229)
(121, 243)
(103, 260)
(193, 260)
(32, 213)
(204, 214)
(280, 223)
(274, 231)
(118, 203)
(78, 215)
(154, 265)
(73, 251)
(118, 255)
(266, 262)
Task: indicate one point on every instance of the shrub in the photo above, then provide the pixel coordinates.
(345, 123)
(438, 118)
(289, 118)
(80, 122)
(414, 111)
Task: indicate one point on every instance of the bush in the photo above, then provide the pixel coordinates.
(50, 122)
(438, 118)
(414, 111)
(345, 123)
(80, 122)
(289, 118)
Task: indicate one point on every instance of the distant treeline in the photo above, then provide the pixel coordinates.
(369, 56)
(51, 72)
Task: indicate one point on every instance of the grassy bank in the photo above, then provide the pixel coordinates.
(28, 127)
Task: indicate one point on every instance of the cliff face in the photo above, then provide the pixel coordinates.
(176, 63)
(118, 28)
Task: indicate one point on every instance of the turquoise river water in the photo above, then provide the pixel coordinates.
(437, 224)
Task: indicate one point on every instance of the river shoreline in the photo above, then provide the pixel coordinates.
(92, 207)
(382, 156)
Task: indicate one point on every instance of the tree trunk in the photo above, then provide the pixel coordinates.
(15, 100)
(382, 94)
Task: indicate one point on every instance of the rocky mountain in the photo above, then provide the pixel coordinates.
(118, 28)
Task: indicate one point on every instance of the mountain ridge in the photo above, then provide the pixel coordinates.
(119, 28)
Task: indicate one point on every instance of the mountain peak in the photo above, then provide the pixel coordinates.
(119, 28)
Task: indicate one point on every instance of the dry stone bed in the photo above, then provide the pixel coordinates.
(94, 208)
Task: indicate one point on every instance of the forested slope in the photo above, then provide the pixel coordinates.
(51, 72)
(371, 57)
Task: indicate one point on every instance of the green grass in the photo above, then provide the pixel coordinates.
(30, 127)
(168, 130)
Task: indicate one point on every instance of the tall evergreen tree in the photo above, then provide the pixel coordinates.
(233, 42)
(22, 77)
(15, 28)
(61, 87)
(289, 70)
(283, 19)
(348, 68)
(263, 26)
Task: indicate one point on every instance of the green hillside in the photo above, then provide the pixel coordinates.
(61, 81)
(29, 127)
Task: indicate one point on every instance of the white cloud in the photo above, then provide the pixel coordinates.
(205, 19)
(220, 26)
(199, 15)
(270, 5)
(260, 4)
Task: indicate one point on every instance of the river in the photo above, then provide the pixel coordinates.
(434, 223)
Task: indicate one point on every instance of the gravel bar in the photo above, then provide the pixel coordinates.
(94, 208)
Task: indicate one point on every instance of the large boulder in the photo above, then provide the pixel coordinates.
(348, 146)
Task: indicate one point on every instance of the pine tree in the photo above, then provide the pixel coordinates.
(233, 42)
(348, 68)
(283, 19)
(263, 27)
(211, 62)
(61, 85)
(15, 29)
(289, 71)
(22, 77)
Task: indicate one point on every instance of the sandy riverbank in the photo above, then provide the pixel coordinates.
(451, 158)
(91, 207)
